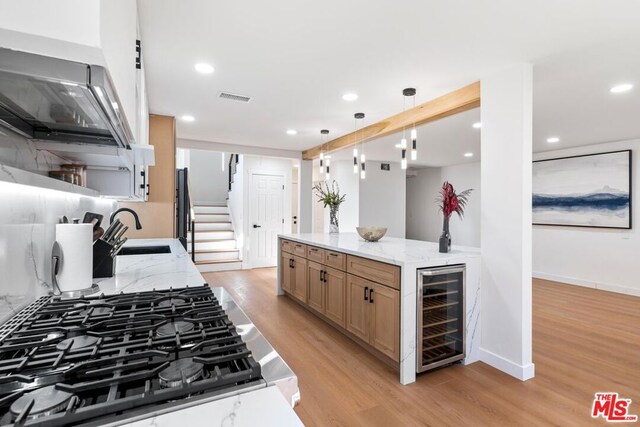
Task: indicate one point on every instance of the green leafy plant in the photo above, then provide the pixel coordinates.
(329, 195)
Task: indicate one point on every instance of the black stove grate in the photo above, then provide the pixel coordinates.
(106, 351)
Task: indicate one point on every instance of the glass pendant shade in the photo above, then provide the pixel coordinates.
(355, 160)
(403, 162)
(362, 166)
(414, 144)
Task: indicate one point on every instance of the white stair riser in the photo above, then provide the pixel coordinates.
(209, 226)
(223, 244)
(216, 256)
(212, 235)
(210, 209)
(205, 268)
(209, 217)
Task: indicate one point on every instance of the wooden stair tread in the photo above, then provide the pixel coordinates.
(218, 261)
(213, 251)
(212, 240)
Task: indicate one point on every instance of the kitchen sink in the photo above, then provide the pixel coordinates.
(144, 250)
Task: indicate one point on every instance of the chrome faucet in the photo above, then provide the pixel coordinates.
(131, 211)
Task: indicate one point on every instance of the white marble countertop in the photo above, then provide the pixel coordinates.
(265, 407)
(391, 250)
(137, 273)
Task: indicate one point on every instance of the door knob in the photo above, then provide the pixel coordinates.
(256, 226)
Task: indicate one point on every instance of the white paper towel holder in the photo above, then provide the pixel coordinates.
(56, 264)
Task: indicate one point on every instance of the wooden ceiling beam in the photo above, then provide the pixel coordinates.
(458, 101)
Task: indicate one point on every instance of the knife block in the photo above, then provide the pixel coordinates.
(104, 265)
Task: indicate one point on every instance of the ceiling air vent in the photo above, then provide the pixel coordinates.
(234, 97)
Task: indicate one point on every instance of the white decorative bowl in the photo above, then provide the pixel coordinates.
(371, 234)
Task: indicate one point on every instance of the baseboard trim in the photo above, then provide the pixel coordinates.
(523, 373)
(587, 284)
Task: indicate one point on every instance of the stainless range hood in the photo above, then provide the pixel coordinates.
(52, 99)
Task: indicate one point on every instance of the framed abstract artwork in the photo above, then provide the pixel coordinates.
(592, 190)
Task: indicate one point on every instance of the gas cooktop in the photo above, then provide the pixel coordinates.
(94, 360)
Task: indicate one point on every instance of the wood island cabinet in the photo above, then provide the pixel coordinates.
(359, 295)
(294, 276)
(316, 287)
(335, 286)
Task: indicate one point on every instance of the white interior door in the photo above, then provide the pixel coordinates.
(267, 218)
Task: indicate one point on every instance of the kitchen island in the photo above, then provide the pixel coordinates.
(391, 264)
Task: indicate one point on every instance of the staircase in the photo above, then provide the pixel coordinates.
(215, 244)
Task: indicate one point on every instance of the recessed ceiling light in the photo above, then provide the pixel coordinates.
(350, 96)
(187, 118)
(203, 68)
(553, 139)
(625, 87)
(468, 154)
(477, 125)
(292, 132)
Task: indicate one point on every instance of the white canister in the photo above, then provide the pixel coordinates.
(76, 269)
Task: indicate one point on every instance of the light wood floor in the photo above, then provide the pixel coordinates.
(584, 341)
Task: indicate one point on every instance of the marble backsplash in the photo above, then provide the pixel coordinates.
(28, 216)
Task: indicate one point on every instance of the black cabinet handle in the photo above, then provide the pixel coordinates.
(366, 288)
(321, 273)
(256, 226)
(290, 263)
(293, 263)
(324, 276)
(332, 254)
(371, 296)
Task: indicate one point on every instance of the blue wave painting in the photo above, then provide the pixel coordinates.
(591, 191)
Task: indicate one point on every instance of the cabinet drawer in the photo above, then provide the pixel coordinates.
(336, 260)
(315, 254)
(385, 274)
(286, 246)
(299, 249)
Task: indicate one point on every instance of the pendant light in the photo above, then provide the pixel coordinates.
(326, 159)
(322, 151)
(410, 91)
(363, 166)
(355, 146)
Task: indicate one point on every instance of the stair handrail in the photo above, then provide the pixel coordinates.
(192, 220)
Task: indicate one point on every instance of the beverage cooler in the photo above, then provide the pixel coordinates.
(441, 316)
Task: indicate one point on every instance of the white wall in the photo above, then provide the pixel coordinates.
(349, 182)
(27, 223)
(506, 116)
(209, 182)
(424, 221)
(598, 258)
(382, 198)
(69, 20)
(305, 198)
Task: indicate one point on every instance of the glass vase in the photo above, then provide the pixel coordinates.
(445, 238)
(333, 220)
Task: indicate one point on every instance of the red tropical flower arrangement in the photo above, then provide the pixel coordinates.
(450, 202)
